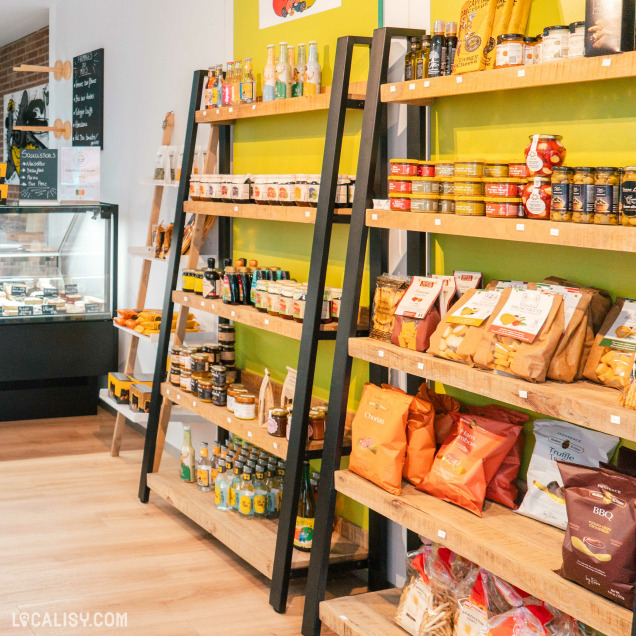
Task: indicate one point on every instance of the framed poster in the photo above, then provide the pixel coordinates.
(273, 12)
(80, 175)
(88, 99)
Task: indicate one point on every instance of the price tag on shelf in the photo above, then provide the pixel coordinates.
(520, 227)
(92, 308)
(441, 534)
(218, 112)
(615, 419)
(420, 366)
(194, 405)
(49, 292)
(236, 208)
(411, 87)
(185, 299)
(230, 110)
(460, 79)
(380, 354)
(374, 217)
(308, 213)
(554, 231)
(203, 303)
(253, 106)
(521, 73)
(49, 310)
(392, 89)
(523, 395)
(27, 310)
(266, 321)
(275, 444)
(70, 289)
(232, 313)
(229, 420)
(343, 617)
(178, 396)
(249, 433)
(427, 84)
(438, 221)
(212, 306)
(606, 62)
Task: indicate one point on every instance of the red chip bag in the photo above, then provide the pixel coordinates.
(444, 405)
(502, 489)
(468, 460)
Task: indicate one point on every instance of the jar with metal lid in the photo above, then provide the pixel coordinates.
(228, 355)
(444, 169)
(227, 334)
(425, 169)
(260, 295)
(241, 188)
(204, 187)
(628, 196)
(186, 358)
(187, 280)
(232, 391)
(562, 195)
(555, 43)
(300, 300)
(184, 381)
(200, 362)
(245, 406)
(576, 42)
(316, 427)
(583, 195)
(509, 51)
(606, 196)
(470, 206)
(543, 153)
(287, 190)
(226, 188)
(273, 300)
(194, 381)
(530, 50)
(219, 395)
(175, 356)
(231, 373)
(217, 372)
(537, 196)
(277, 422)
(425, 185)
(175, 375)
(198, 282)
(286, 302)
(214, 353)
(204, 390)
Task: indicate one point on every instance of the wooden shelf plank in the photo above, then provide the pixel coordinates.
(582, 403)
(229, 114)
(586, 69)
(284, 213)
(370, 614)
(600, 237)
(191, 336)
(254, 540)
(520, 550)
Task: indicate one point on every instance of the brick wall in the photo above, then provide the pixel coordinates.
(31, 49)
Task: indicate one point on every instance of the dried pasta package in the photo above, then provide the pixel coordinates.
(416, 316)
(378, 437)
(524, 334)
(388, 293)
(519, 621)
(457, 336)
(449, 290)
(475, 28)
(468, 460)
(519, 17)
(467, 280)
(443, 405)
(503, 13)
(612, 356)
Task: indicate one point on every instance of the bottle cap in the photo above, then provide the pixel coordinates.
(451, 28)
(211, 263)
(439, 26)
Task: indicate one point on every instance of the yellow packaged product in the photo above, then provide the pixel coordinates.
(519, 18)
(475, 29)
(503, 13)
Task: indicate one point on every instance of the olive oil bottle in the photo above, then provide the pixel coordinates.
(410, 59)
(423, 53)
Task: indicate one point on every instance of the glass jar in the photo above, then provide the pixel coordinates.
(200, 362)
(214, 183)
(228, 355)
(446, 205)
(260, 295)
(444, 169)
(217, 374)
(184, 381)
(226, 188)
(404, 167)
(502, 187)
(606, 196)
(272, 190)
(316, 428)
(195, 378)
(286, 302)
(583, 195)
(195, 184)
(538, 54)
(509, 51)
(175, 356)
(342, 192)
(504, 207)
(259, 191)
(562, 181)
(300, 301)
(232, 391)
(529, 51)
(537, 196)
(472, 188)
(273, 300)
(401, 185)
(219, 395)
(186, 358)
(470, 206)
(425, 185)
(313, 190)
(187, 280)
(204, 187)
(400, 202)
(204, 390)
(555, 43)
(469, 169)
(175, 375)
(543, 153)
(277, 422)
(518, 170)
(425, 169)
(227, 334)
(424, 203)
(245, 406)
(231, 373)
(497, 170)
(214, 353)
(335, 298)
(446, 185)
(576, 42)
(628, 196)
(241, 188)
(198, 282)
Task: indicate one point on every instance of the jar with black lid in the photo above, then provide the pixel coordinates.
(277, 423)
(219, 395)
(228, 355)
(227, 334)
(200, 362)
(175, 375)
(218, 373)
(214, 353)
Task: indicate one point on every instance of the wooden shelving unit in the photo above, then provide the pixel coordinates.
(253, 540)
(598, 237)
(284, 213)
(574, 71)
(229, 114)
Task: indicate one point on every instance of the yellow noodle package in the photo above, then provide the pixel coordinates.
(500, 26)
(475, 29)
(519, 18)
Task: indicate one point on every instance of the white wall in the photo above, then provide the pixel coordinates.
(151, 48)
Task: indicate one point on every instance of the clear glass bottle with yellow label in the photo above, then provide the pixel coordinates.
(246, 494)
(260, 492)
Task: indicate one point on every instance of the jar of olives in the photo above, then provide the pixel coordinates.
(583, 195)
(628, 196)
(562, 181)
(606, 187)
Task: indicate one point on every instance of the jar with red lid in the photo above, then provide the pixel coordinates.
(518, 170)
(404, 167)
(400, 202)
(400, 185)
(504, 207)
(425, 169)
(543, 153)
(537, 198)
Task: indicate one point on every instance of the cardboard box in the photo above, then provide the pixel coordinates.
(4, 192)
(140, 398)
(3, 172)
(119, 387)
(609, 27)
(143, 378)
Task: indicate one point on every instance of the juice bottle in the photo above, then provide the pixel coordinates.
(221, 489)
(291, 61)
(246, 493)
(187, 457)
(247, 83)
(236, 82)
(313, 72)
(233, 496)
(283, 74)
(272, 485)
(260, 492)
(269, 76)
(209, 89)
(217, 91)
(227, 85)
(298, 71)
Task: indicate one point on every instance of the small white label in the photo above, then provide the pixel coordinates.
(275, 444)
(606, 62)
(441, 534)
(232, 313)
(253, 106)
(229, 420)
(194, 405)
(343, 617)
(427, 84)
(249, 433)
(615, 419)
(392, 89)
(308, 213)
(212, 306)
(178, 396)
(523, 395)
(438, 221)
(218, 112)
(374, 217)
(521, 73)
(231, 110)
(520, 227)
(236, 208)
(411, 87)
(380, 354)
(185, 299)
(420, 366)
(554, 231)
(460, 79)
(167, 391)
(266, 321)
(203, 303)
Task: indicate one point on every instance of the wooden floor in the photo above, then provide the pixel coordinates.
(75, 538)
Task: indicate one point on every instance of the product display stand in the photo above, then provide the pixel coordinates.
(265, 544)
(120, 421)
(520, 550)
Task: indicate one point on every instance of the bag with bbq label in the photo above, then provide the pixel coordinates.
(523, 336)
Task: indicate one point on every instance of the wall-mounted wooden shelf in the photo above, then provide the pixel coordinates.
(520, 550)
(600, 237)
(567, 71)
(254, 540)
(228, 114)
(590, 405)
(284, 213)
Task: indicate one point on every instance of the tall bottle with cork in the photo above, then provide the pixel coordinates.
(313, 72)
(298, 72)
(187, 457)
(305, 517)
(269, 76)
(437, 60)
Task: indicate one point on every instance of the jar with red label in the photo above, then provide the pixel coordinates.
(504, 187)
(425, 169)
(400, 202)
(400, 185)
(537, 198)
(518, 170)
(504, 207)
(404, 167)
(543, 153)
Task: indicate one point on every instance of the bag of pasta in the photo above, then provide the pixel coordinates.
(388, 293)
(612, 356)
(443, 405)
(457, 336)
(503, 12)
(475, 28)
(524, 334)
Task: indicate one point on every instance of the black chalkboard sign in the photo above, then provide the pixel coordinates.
(88, 99)
(27, 310)
(49, 310)
(38, 175)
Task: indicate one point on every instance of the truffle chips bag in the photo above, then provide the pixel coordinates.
(475, 28)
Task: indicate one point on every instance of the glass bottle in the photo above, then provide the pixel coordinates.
(233, 495)
(246, 493)
(221, 487)
(451, 46)
(305, 516)
(283, 74)
(260, 492)
(313, 72)
(214, 461)
(291, 61)
(272, 485)
(209, 89)
(280, 470)
(187, 456)
(211, 281)
(237, 75)
(298, 71)
(422, 59)
(227, 86)
(204, 469)
(269, 76)
(410, 59)
(217, 90)
(247, 84)
(437, 58)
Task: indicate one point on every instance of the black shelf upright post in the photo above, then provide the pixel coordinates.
(368, 167)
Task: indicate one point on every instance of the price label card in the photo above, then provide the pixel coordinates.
(70, 289)
(91, 308)
(49, 292)
(25, 311)
(49, 310)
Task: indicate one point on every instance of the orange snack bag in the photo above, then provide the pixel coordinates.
(468, 460)
(378, 436)
(443, 405)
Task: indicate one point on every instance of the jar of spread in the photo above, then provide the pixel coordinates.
(401, 185)
(496, 170)
(404, 167)
(195, 378)
(241, 190)
(200, 362)
(231, 373)
(576, 43)
(204, 390)
(175, 356)
(583, 195)
(217, 374)
(214, 184)
(555, 43)
(187, 280)
(227, 334)
(504, 207)
(245, 406)
(424, 203)
(509, 51)
(538, 53)
(313, 190)
(469, 169)
(228, 355)
(342, 192)
(444, 169)
(470, 206)
(195, 185)
(628, 196)
(277, 422)
(286, 302)
(543, 153)
(606, 196)
(316, 428)
(259, 191)
(470, 188)
(198, 282)
(537, 196)
(218, 395)
(260, 295)
(232, 391)
(175, 375)
(562, 181)
(273, 300)
(502, 187)
(400, 203)
(446, 205)
(214, 353)
(425, 185)
(425, 169)
(226, 188)
(335, 298)
(300, 300)
(205, 181)
(184, 381)
(287, 190)
(518, 170)
(446, 185)
(529, 50)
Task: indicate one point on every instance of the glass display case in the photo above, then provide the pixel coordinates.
(56, 263)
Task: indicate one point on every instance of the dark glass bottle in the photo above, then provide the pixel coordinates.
(410, 59)
(211, 281)
(306, 514)
(451, 46)
(437, 58)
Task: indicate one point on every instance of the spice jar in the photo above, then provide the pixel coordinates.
(245, 406)
(509, 51)
(204, 390)
(504, 207)
(175, 375)
(227, 334)
(228, 355)
(576, 42)
(497, 170)
(555, 43)
(425, 185)
(218, 395)
(400, 203)
(470, 206)
(277, 422)
(400, 185)
(561, 206)
(316, 428)
(404, 167)
(232, 391)
(529, 51)
(583, 195)
(300, 190)
(537, 196)
(184, 381)
(465, 188)
(425, 169)
(606, 188)
(424, 203)
(187, 280)
(628, 196)
(200, 362)
(469, 169)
